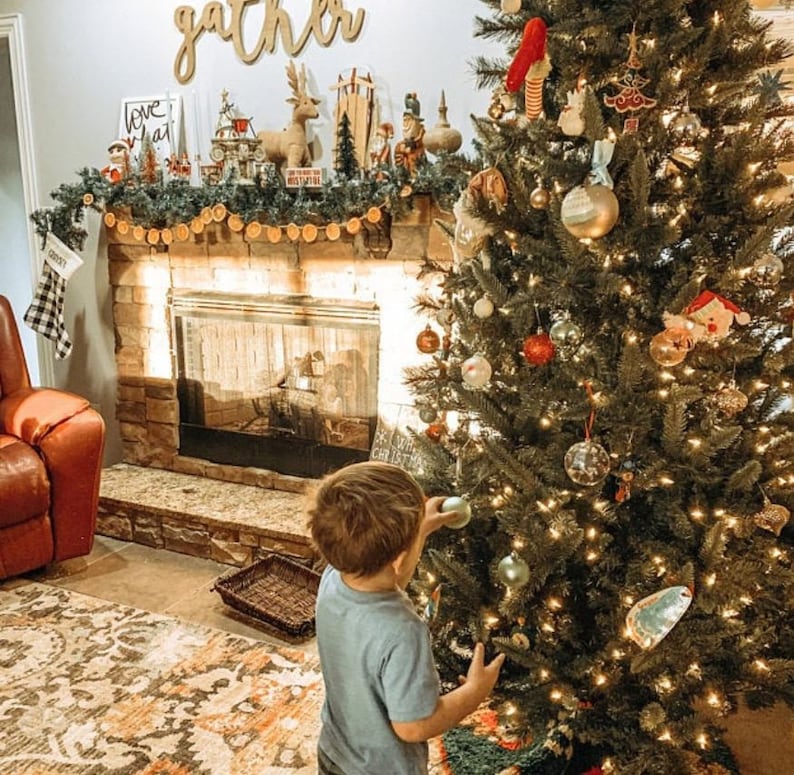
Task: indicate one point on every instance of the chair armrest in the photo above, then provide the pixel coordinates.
(30, 413)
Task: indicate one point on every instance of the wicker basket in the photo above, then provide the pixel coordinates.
(275, 590)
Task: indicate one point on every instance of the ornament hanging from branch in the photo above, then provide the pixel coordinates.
(630, 98)
(651, 619)
(530, 66)
(591, 210)
(709, 316)
(772, 516)
(571, 120)
(587, 463)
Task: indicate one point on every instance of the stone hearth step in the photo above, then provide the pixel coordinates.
(224, 521)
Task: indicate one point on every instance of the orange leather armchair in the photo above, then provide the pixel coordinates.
(51, 446)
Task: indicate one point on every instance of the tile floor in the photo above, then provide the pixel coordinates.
(155, 580)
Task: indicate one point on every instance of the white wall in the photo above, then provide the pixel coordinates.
(85, 56)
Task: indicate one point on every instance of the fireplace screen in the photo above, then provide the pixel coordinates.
(281, 382)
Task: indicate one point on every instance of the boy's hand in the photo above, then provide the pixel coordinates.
(434, 517)
(483, 677)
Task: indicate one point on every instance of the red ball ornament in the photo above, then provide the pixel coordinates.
(428, 341)
(538, 349)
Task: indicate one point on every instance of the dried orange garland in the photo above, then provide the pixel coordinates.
(253, 229)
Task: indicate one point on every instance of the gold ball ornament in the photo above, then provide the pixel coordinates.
(772, 517)
(670, 347)
(496, 110)
(510, 6)
(730, 401)
(590, 211)
(539, 198)
(468, 242)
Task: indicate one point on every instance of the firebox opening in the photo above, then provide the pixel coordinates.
(287, 383)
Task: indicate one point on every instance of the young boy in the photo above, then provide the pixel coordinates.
(382, 692)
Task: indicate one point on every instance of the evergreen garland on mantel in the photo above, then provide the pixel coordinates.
(166, 203)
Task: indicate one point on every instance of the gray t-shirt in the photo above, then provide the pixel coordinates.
(378, 667)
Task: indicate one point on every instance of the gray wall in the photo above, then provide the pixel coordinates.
(84, 56)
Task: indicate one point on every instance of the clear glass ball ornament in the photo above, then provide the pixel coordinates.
(587, 463)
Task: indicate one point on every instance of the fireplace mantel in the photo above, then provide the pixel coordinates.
(357, 267)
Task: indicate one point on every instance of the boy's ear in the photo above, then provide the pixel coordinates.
(398, 561)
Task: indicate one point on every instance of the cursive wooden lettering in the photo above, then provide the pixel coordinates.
(327, 19)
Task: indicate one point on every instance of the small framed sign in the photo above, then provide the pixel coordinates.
(160, 117)
(308, 177)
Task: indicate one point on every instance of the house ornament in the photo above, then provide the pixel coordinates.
(326, 19)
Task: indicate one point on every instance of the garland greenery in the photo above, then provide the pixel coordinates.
(162, 204)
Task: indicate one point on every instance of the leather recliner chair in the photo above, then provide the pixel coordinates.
(51, 446)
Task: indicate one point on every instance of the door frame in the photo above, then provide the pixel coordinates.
(11, 30)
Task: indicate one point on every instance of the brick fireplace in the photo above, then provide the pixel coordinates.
(292, 287)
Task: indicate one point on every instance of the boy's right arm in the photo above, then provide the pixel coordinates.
(453, 707)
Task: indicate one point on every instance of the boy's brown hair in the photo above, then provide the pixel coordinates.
(364, 515)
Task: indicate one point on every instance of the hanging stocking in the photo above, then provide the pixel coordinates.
(45, 313)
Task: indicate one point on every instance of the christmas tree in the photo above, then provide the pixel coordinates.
(612, 398)
(345, 161)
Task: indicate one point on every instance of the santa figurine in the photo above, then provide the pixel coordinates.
(709, 316)
(119, 164)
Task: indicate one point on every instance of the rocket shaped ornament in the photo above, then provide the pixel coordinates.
(531, 65)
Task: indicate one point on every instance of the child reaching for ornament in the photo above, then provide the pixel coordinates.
(383, 698)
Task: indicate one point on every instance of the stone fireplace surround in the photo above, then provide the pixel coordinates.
(220, 260)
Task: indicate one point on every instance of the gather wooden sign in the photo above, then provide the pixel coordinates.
(326, 19)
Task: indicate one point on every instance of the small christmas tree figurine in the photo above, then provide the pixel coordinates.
(148, 163)
(345, 162)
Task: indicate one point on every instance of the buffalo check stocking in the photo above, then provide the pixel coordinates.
(45, 313)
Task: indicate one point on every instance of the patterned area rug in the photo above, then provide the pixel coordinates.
(90, 687)
(93, 687)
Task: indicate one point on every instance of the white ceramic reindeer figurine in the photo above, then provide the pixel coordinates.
(289, 148)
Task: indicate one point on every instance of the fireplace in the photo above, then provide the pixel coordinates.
(228, 345)
(282, 382)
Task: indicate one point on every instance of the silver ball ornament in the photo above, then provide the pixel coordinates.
(687, 124)
(767, 271)
(565, 334)
(459, 505)
(513, 571)
(587, 463)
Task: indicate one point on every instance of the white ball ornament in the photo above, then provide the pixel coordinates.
(510, 6)
(461, 506)
(483, 308)
(476, 371)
